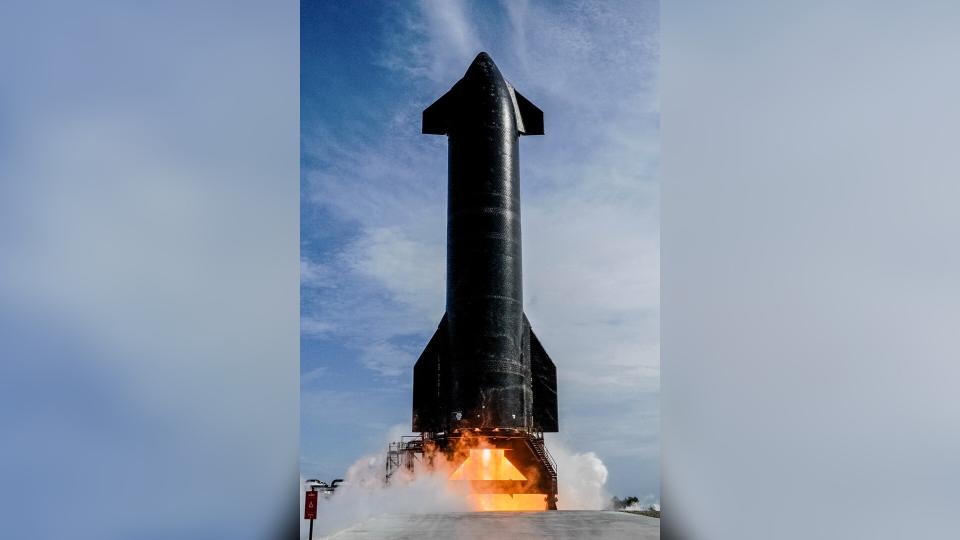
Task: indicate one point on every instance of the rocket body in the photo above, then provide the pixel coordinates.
(484, 367)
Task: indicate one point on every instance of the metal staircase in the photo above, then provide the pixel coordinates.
(539, 449)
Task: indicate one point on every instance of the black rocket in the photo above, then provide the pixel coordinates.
(484, 369)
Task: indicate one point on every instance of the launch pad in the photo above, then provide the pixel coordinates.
(596, 525)
(486, 462)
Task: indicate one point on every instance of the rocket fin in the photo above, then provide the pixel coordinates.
(436, 117)
(529, 116)
(544, 375)
(427, 414)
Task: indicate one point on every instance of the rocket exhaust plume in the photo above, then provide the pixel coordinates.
(484, 388)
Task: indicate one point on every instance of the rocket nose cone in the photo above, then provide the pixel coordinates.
(483, 57)
(483, 68)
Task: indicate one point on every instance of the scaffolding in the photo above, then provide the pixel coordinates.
(404, 455)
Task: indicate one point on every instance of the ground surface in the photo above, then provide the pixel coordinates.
(651, 513)
(594, 525)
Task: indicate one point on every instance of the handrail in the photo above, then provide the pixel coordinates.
(538, 446)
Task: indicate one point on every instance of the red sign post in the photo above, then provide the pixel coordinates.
(310, 506)
(310, 509)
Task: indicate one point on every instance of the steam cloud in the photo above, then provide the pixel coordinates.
(582, 478)
(363, 495)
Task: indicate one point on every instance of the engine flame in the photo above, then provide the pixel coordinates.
(483, 462)
(501, 502)
(487, 464)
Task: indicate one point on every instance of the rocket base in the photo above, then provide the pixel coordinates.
(536, 472)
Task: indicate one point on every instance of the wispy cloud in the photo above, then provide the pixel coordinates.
(315, 275)
(432, 40)
(412, 270)
(313, 327)
(313, 376)
(388, 359)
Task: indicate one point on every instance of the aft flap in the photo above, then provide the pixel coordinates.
(544, 382)
(426, 382)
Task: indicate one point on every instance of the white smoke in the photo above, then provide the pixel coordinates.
(582, 478)
(362, 495)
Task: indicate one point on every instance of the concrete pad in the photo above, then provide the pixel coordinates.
(595, 525)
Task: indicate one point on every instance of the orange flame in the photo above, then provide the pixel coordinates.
(501, 502)
(484, 462)
(487, 464)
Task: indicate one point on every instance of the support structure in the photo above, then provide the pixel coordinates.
(525, 450)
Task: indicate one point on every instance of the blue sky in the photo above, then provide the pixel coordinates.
(373, 215)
